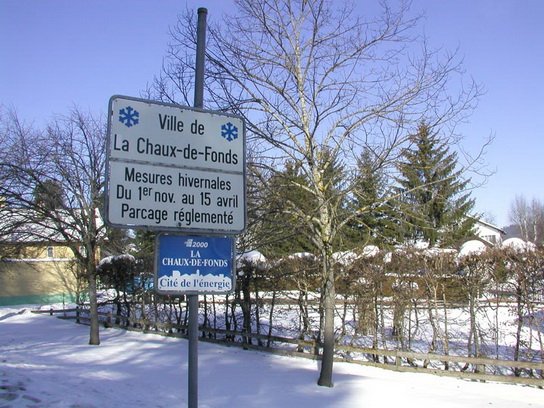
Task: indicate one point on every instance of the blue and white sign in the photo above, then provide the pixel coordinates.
(188, 264)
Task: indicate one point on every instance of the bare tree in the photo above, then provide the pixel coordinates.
(476, 272)
(317, 84)
(66, 159)
(438, 269)
(524, 266)
(529, 218)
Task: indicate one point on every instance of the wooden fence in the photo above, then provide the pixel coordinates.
(472, 368)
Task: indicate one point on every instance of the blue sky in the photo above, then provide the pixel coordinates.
(56, 54)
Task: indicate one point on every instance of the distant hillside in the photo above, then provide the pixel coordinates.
(512, 231)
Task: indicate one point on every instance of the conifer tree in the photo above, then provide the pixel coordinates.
(434, 204)
(376, 222)
(48, 195)
(281, 231)
(289, 205)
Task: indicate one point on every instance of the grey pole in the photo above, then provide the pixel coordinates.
(193, 352)
(200, 57)
(193, 299)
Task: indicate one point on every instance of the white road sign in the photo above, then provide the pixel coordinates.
(174, 168)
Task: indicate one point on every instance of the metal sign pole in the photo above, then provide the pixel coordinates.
(193, 352)
(193, 299)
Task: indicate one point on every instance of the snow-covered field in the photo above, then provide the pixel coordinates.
(46, 362)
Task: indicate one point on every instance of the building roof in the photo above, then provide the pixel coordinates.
(491, 226)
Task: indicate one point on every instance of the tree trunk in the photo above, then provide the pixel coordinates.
(214, 318)
(227, 320)
(270, 317)
(519, 326)
(325, 377)
(303, 308)
(206, 318)
(376, 324)
(445, 339)
(344, 314)
(431, 305)
(94, 335)
(245, 304)
(475, 332)
(257, 312)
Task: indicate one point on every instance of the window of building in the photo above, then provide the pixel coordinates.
(490, 238)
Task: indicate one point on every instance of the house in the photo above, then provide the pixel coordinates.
(36, 272)
(489, 234)
(36, 264)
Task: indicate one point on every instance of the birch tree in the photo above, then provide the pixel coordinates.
(529, 218)
(317, 83)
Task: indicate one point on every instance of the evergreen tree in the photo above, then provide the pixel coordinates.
(144, 242)
(281, 230)
(288, 209)
(49, 195)
(375, 223)
(433, 204)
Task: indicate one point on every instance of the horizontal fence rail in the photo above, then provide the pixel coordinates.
(472, 368)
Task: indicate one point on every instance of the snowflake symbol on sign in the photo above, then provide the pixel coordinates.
(229, 131)
(129, 116)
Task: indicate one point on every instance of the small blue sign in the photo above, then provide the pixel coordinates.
(194, 264)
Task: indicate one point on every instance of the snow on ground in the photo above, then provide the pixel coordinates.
(46, 362)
